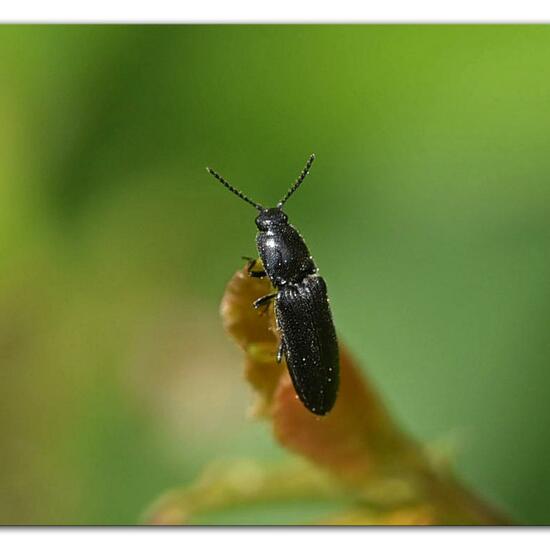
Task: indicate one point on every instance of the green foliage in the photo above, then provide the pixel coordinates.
(427, 211)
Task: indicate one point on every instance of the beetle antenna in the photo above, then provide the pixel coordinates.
(239, 194)
(298, 182)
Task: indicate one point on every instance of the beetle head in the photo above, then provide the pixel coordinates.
(270, 217)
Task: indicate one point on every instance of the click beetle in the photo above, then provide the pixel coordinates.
(304, 321)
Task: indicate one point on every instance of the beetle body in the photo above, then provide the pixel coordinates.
(282, 249)
(309, 342)
(307, 335)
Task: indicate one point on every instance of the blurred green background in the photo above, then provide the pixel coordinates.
(427, 211)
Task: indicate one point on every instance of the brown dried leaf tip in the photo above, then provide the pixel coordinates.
(387, 477)
(255, 333)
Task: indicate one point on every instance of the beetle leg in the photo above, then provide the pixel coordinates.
(250, 267)
(281, 350)
(264, 301)
(258, 274)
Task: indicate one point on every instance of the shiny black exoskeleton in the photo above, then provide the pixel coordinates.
(308, 338)
(282, 249)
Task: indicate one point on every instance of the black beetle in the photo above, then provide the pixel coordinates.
(308, 338)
